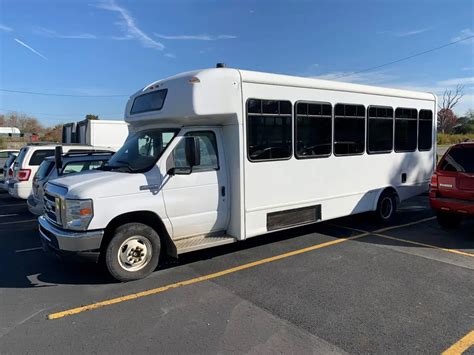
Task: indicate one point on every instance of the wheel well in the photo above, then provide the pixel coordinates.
(389, 189)
(146, 217)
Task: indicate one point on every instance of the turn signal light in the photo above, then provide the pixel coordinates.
(85, 212)
(434, 181)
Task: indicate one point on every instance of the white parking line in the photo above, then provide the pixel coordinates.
(9, 215)
(29, 249)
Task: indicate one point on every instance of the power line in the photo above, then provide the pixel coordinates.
(405, 58)
(60, 95)
(66, 116)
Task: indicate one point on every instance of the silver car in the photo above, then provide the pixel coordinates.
(72, 163)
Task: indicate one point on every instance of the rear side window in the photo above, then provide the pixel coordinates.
(80, 166)
(21, 157)
(380, 130)
(313, 130)
(44, 169)
(268, 130)
(349, 129)
(425, 130)
(459, 159)
(39, 155)
(405, 129)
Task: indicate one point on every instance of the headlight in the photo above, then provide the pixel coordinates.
(78, 214)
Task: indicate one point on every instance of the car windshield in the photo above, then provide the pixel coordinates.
(141, 150)
(459, 159)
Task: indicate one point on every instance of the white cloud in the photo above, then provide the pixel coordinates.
(201, 37)
(53, 34)
(170, 55)
(368, 78)
(457, 81)
(467, 68)
(467, 32)
(31, 49)
(128, 25)
(412, 33)
(5, 28)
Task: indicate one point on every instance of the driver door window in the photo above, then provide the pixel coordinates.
(208, 152)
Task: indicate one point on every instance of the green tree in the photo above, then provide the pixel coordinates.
(92, 117)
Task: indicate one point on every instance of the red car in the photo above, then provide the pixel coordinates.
(452, 185)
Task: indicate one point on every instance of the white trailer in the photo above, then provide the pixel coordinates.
(221, 155)
(99, 133)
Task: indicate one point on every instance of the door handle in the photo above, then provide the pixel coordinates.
(223, 191)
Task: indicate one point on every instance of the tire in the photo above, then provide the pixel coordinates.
(133, 252)
(386, 207)
(448, 220)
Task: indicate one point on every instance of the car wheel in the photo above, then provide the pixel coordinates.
(386, 206)
(448, 220)
(133, 252)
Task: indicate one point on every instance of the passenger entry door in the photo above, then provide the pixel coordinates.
(197, 203)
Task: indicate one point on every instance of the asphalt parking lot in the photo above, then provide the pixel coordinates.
(344, 286)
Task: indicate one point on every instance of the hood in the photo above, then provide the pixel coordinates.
(97, 184)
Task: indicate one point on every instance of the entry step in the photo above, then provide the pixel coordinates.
(202, 242)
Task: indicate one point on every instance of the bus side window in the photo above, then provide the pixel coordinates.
(425, 130)
(379, 129)
(405, 129)
(349, 129)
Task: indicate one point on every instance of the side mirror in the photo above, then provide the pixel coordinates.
(58, 158)
(192, 150)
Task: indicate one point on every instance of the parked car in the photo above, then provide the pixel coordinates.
(27, 163)
(452, 185)
(4, 155)
(76, 162)
(7, 171)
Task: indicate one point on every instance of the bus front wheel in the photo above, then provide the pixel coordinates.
(133, 252)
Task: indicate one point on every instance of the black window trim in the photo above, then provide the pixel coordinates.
(267, 114)
(295, 129)
(148, 93)
(334, 131)
(380, 118)
(405, 119)
(418, 128)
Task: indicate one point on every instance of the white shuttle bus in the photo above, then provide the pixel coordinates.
(221, 155)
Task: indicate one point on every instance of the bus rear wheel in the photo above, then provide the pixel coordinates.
(386, 206)
(133, 252)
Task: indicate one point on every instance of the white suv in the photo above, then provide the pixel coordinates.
(28, 162)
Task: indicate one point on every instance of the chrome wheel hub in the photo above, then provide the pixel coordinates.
(134, 253)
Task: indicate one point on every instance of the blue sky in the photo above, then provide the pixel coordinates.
(115, 47)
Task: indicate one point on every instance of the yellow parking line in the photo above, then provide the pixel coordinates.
(455, 251)
(378, 233)
(198, 279)
(461, 345)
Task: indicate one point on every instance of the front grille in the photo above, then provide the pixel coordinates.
(52, 208)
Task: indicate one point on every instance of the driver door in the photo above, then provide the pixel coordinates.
(196, 203)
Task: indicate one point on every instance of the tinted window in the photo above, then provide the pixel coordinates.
(21, 157)
(4, 154)
(268, 129)
(153, 101)
(349, 129)
(425, 130)
(459, 159)
(44, 169)
(313, 134)
(39, 155)
(380, 129)
(405, 129)
(208, 152)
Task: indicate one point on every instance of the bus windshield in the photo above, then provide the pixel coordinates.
(141, 150)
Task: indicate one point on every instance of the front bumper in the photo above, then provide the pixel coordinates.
(69, 241)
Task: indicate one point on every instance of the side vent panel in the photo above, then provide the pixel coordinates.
(293, 217)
